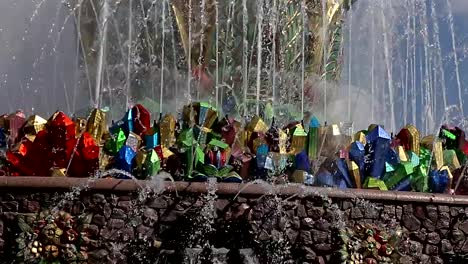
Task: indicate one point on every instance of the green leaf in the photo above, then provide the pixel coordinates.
(186, 138)
(218, 143)
(210, 170)
(225, 171)
(449, 134)
(199, 155)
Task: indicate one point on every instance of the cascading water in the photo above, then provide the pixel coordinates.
(203, 228)
(145, 39)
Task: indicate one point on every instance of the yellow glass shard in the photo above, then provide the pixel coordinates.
(96, 125)
(414, 138)
(167, 130)
(402, 153)
(34, 124)
(355, 173)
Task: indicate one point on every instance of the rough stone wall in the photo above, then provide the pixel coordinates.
(131, 228)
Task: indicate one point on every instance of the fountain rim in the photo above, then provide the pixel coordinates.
(286, 190)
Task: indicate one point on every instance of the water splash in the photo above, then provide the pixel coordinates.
(203, 225)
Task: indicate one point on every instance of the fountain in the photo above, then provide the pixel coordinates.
(228, 179)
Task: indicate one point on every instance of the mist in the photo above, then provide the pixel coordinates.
(34, 77)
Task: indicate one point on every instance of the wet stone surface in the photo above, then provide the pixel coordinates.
(247, 230)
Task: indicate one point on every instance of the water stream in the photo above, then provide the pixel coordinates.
(129, 51)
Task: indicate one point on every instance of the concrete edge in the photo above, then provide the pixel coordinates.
(117, 185)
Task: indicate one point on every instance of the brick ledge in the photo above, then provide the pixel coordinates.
(117, 185)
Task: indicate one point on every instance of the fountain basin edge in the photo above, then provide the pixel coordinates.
(124, 185)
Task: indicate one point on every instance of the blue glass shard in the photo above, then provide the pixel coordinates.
(262, 153)
(116, 126)
(3, 138)
(438, 181)
(389, 167)
(375, 157)
(314, 122)
(233, 179)
(377, 133)
(342, 172)
(302, 161)
(404, 185)
(324, 179)
(392, 157)
(341, 184)
(128, 122)
(124, 160)
(413, 158)
(357, 154)
(151, 141)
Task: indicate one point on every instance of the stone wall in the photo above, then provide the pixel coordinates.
(120, 227)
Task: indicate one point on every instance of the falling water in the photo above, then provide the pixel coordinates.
(373, 66)
(405, 91)
(414, 92)
(259, 52)
(217, 53)
(102, 50)
(163, 48)
(439, 53)
(389, 69)
(408, 71)
(455, 57)
(427, 82)
(273, 51)
(204, 221)
(245, 54)
(350, 56)
(325, 53)
(304, 23)
(189, 52)
(201, 51)
(175, 72)
(129, 52)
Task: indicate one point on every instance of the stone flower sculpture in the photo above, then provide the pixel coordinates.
(367, 243)
(50, 238)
